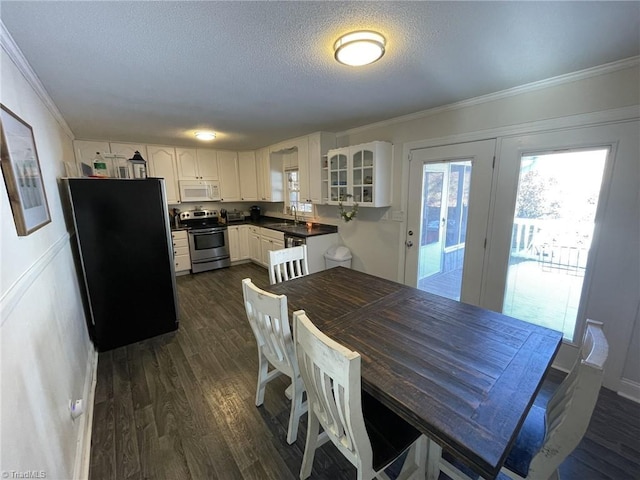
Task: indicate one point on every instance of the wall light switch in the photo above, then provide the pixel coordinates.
(397, 216)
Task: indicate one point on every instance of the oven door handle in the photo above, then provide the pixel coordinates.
(207, 231)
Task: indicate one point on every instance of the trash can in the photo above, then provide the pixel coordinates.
(337, 256)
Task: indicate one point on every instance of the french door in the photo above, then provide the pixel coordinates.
(552, 232)
(548, 197)
(448, 208)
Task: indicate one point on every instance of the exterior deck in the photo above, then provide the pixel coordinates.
(545, 294)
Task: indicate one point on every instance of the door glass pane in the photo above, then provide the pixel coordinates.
(552, 231)
(458, 204)
(445, 199)
(432, 199)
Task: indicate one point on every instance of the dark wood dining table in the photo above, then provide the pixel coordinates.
(464, 376)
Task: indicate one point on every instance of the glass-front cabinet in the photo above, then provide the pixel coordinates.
(338, 174)
(358, 174)
(362, 176)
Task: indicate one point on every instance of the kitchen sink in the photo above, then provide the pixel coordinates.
(280, 225)
(289, 227)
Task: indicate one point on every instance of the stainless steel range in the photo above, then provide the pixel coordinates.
(208, 240)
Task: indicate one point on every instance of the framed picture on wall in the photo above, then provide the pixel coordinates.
(22, 174)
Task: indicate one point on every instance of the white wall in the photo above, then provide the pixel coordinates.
(46, 355)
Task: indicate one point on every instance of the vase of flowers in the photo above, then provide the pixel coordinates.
(347, 215)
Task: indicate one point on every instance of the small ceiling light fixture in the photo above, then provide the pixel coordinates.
(359, 48)
(205, 136)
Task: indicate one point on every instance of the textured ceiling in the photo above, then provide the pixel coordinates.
(261, 72)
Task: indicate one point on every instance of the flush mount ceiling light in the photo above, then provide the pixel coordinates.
(359, 48)
(205, 135)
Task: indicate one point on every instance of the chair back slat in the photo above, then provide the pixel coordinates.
(287, 264)
(331, 374)
(570, 408)
(559, 402)
(268, 317)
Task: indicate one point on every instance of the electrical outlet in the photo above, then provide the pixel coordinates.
(76, 408)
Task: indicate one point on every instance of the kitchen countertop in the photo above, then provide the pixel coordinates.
(282, 225)
(288, 227)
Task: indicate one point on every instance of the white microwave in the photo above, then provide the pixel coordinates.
(199, 190)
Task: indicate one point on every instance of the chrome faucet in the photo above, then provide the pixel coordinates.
(295, 214)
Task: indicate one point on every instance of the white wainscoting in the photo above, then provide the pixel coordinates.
(47, 360)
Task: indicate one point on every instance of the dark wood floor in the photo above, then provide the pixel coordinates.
(181, 405)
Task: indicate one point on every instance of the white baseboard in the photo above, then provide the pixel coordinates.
(83, 445)
(630, 389)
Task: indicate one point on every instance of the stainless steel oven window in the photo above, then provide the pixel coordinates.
(206, 241)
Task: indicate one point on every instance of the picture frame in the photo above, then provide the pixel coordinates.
(22, 174)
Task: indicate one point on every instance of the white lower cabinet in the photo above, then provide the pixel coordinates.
(244, 241)
(269, 240)
(239, 242)
(261, 240)
(255, 249)
(181, 255)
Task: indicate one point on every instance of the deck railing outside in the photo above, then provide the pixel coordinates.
(548, 257)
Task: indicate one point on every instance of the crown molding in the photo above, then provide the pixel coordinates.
(622, 114)
(16, 56)
(529, 87)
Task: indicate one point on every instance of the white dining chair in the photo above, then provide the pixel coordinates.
(269, 320)
(548, 435)
(287, 264)
(366, 432)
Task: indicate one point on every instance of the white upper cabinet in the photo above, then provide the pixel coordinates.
(244, 176)
(125, 151)
(303, 169)
(310, 170)
(248, 176)
(270, 177)
(86, 150)
(207, 164)
(187, 164)
(229, 176)
(305, 154)
(162, 164)
(196, 164)
(259, 173)
(360, 173)
(128, 149)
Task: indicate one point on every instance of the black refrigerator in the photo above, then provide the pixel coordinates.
(126, 258)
